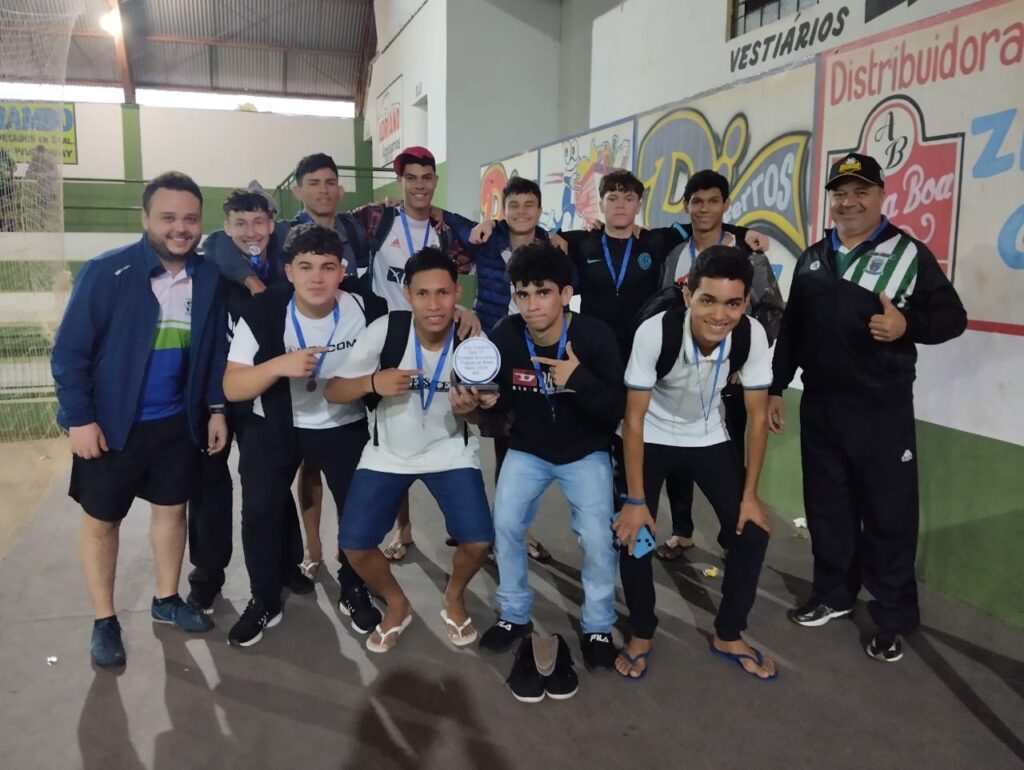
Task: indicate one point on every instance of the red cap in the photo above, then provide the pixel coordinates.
(414, 154)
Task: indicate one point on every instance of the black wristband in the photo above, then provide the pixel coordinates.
(216, 410)
(372, 386)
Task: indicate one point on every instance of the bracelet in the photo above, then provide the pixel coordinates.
(372, 386)
(215, 409)
(636, 501)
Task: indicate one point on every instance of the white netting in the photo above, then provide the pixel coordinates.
(34, 277)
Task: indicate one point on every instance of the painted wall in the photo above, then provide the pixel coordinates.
(577, 49)
(683, 48)
(410, 74)
(226, 149)
(512, 47)
(938, 101)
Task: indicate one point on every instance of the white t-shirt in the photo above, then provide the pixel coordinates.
(689, 251)
(411, 440)
(675, 416)
(310, 410)
(389, 262)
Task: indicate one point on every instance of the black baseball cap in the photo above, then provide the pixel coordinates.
(855, 166)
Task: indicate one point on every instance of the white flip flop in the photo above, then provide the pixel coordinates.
(381, 647)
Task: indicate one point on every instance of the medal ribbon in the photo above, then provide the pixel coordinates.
(302, 339)
(427, 398)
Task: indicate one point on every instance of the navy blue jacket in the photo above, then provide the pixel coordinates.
(492, 290)
(106, 337)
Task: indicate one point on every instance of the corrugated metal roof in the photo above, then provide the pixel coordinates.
(286, 47)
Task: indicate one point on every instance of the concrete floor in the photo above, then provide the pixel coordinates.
(310, 696)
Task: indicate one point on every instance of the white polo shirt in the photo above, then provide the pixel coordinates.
(309, 409)
(676, 415)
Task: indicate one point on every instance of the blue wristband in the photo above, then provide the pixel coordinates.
(635, 501)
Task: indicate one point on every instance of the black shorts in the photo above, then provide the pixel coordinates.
(159, 463)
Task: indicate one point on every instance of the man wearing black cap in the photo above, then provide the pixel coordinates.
(860, 299)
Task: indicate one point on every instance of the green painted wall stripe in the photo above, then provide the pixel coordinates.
(131, 128)
(972, 510)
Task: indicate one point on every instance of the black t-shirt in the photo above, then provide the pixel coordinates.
(642, 277)
(586, 411)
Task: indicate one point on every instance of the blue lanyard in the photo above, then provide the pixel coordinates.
(617, 280)
(426, 399)
(408, 232)
(260, 267)
(302, 339)
(706, 410)
(693, 249)
(541, 382)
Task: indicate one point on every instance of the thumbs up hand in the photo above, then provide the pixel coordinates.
(890, 324)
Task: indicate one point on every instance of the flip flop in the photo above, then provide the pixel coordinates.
(739, 657)
(457, 634)
(380, 646)
(308, 568)
(396, 550)
(538, 552)
(667, 552)
(632, 662)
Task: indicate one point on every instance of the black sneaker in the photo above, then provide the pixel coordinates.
(298, 583)
(814, 614)
(175, 612)
(106, 648)
(562, 683)
(885, 646)
(201, 597)
(503, 635)
(525, 682)
(357, 604)
(249, 628)
(598, 651)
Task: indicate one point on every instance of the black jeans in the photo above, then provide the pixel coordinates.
(714, 470)
(679, 485)
(210, 510)
(861, 496)
(271, 538)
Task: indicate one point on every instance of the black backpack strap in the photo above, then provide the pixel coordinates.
(356, 240)
(740, 350)
(395, 340)
(671, 340)
(380, 234)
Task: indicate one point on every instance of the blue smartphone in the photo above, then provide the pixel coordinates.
(644, 543)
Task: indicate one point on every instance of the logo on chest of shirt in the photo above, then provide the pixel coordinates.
(396, 275)
(645, 261)
(877, 263)
(395, 244)
(332, 348)
(443, 386)
(525, 380)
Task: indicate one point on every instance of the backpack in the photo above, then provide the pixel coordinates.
(670, 300)
(395, 341)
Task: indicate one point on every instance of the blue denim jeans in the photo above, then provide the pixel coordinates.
(587, 484)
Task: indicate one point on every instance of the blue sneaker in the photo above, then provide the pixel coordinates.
(176, 612)
(106, 648)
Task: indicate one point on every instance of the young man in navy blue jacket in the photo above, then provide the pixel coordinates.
(137, 362)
